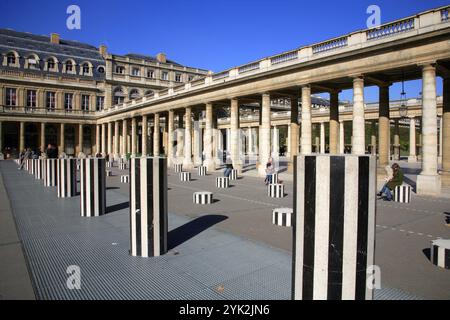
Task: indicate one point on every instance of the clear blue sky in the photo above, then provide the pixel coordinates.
(213, 35)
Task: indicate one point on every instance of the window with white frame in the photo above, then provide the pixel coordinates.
(69, 66)
(51, 64)
(68, 101)
(135, 72)
(86, 68)
(50, 100)
(150, 73)
(120, 69)
(31, 98)
(178, 77)
(165, 75)
(100, 103)
(32, 63)
(11, 59)
(11, 97)
(84, 102)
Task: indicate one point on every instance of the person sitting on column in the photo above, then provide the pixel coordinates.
(396, 180)
(228, 167)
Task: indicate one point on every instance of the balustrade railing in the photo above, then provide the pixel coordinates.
(390, 29)
(330, 45)
(284, 57)
(249, 67)
(221, 75)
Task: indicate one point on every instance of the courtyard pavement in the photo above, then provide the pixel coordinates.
(226, 250)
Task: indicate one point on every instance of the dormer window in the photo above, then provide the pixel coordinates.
(51, 65)
(86, 68)
(69, 66)
(32, 63)
(11, 59)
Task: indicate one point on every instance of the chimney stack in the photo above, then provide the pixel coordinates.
(102, 50)
(161, 57)
(54, 38)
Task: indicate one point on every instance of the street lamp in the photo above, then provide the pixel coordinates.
(403, 110)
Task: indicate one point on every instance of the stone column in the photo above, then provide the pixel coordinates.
(156, 134)
(322, 137)
(116, 140)
(412, 140)
(1, 131)
(208, 138)
(42, 137)
(180, 141)
(341, 137)
(228, 148)
(358, 146)
(234, 135)
(104, 139)
(97, 138)
(170, 138)
(383, 128)
(110, 139)
(62, 146)
(440, 140)
(80, 138)
(250, 150)
(144, 135)
(124, 137)
(306, 146)
(429, 182)
(334, 122)
(187, 162)
(21, 136)
(446, 134)
(396, 141)
(264, 134)
(275, 142)
(133, 136)
(373, 138)
(197, 140)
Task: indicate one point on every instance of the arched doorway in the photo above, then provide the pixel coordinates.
(69, 140)
(31, 136)
(87, 144)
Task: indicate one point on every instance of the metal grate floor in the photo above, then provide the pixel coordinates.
(54, 237)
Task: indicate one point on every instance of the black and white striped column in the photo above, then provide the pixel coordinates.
(334, 227)
(275, 190)
(39, 169)
(110, 164)
(93, 187)
(203, 197)
(50, 172)
(178, 167)
(233, 174)
(123, 166)
(148, 206)
(67, 178)
(125, 178)
(402, 194)
(202, 170)
(274, 177)
(185, 176)
(108, 173)
(440, 253)
(282, 217)
(28, 165)
(33, 165)
(222, 182)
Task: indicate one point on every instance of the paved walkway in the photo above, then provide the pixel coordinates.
(227, 250)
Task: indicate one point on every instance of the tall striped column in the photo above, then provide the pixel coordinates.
(39, 171)
(67, 178)
(50, 172)
(334, 230)
(93, 187)
(148, 206)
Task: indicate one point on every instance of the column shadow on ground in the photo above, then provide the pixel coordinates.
(117, 207)
(192, 228)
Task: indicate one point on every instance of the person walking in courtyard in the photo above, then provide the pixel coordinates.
(228, 168)
(269, 171)
(396, 180)
(26, 156)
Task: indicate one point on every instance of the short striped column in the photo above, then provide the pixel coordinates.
(17, 161)
(440, 253)
(33, 165)
(275, 190)
(233, 174)
(50, 172)
(148, 206)
(27, 165)
(203, 197)
(222, 182)
(108, 173)
(39, 171)
(202, 170)
(67, 178)
(402, 194)
(93, 187)
(282, 217)
(334, 229)
(178, 167)
(122, 166)
(125, 178)
(274, 177)
(109, 164)
(185, 176)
